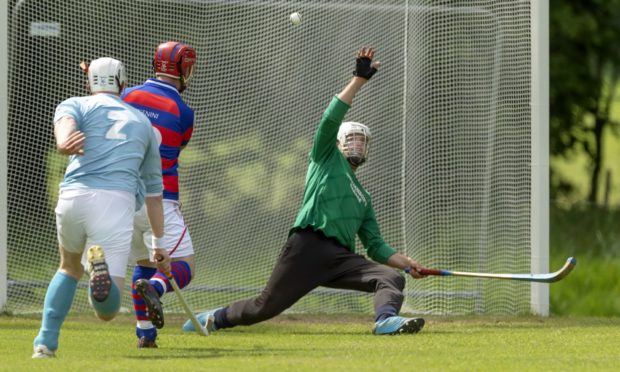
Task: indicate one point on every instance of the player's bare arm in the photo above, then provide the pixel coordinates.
(69, 140)
(155, 213)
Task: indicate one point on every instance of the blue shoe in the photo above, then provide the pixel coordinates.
(204, 318)
(395, 325)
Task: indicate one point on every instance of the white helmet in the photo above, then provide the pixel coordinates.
(106, 75)
(354, 148)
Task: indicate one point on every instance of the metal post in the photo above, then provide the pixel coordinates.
(540, 154)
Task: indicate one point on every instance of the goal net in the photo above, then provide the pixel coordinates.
(449, 166)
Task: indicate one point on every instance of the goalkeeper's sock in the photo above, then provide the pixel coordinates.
(58, 300)
(139, 306)
(385, 311)
(221, 320)
(180, 271)
(110, 306)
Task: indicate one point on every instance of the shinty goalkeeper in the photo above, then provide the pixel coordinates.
(320, 250)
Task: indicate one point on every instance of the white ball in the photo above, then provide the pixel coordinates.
(295, 18)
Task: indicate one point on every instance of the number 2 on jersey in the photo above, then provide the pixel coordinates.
(119, 122)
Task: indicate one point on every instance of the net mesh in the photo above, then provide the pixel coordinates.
(449, 166)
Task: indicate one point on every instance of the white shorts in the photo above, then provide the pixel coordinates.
(176, 235)
(86, 217)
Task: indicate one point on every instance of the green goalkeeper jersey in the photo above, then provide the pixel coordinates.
(334, 200)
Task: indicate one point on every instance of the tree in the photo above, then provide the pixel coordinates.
(584, 75)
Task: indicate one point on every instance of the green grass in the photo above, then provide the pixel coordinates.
(592, 289)
(325, 343)
(592, 235)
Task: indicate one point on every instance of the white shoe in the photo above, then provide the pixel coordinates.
(42, 352)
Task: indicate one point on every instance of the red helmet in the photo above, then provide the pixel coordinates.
(174, 60)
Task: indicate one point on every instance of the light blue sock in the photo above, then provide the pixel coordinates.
(57, 304)
(111, 305)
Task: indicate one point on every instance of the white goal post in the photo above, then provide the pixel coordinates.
(540, 154)
(4, 112)
(458, 166)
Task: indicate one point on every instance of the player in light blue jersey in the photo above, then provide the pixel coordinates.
(114, 153)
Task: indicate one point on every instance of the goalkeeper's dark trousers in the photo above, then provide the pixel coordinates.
(309, 260)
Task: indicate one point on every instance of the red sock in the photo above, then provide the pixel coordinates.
(140, 272)
(180, 271)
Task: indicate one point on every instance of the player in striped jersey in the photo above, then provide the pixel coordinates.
(320, 250)
(160, 100)
(113, 151)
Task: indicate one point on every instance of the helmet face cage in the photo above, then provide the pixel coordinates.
(354, 140)
(106, 75)
(175, 60)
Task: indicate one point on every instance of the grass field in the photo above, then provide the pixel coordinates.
(593, 237)
(325, 343)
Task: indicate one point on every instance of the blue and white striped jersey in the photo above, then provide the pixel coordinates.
(121, 148)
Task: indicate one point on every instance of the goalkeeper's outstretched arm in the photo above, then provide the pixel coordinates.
(364, 69)
(400, 261)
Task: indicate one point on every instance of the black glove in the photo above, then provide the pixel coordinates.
(363, 68)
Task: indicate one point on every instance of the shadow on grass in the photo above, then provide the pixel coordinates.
(16, 327)
(195, 353)
(309, 332)
(520, 322)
